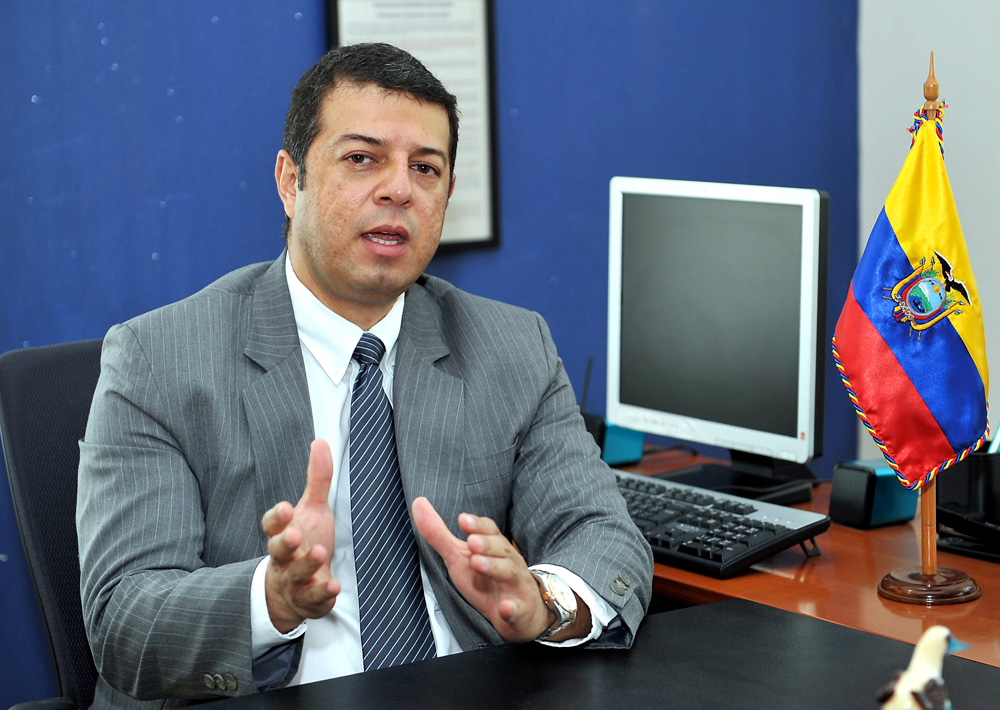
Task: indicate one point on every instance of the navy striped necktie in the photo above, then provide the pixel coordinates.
(395, 626)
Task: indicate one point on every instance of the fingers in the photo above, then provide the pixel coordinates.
(283, 539)
(282, 546)
(276, 519)
(299, 582)
(492, 553)
(295, 593)
(491, 545)
(433, 529)
(501, 568)
(471, 524)
(319, 474)
(510, 611)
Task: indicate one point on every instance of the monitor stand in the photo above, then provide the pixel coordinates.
(751, 476)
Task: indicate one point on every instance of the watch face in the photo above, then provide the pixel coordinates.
(564, 596)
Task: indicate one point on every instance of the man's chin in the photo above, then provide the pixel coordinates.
(383, 291)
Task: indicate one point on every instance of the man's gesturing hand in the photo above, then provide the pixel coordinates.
(298, 581)
(488, 571)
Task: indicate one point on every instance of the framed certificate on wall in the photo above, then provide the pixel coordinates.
(454, 40)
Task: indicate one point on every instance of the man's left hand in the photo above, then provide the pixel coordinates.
(492, 576)
(488, 571)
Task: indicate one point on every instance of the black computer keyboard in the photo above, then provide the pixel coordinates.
(713, 533)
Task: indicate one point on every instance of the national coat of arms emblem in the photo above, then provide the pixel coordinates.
(928, 295)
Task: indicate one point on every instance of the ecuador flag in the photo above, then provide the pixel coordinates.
(909, 343)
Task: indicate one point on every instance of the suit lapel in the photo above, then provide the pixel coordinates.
(428, 406)
(276, 398)
(428, 409)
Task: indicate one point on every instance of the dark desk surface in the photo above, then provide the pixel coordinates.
(732, 654)
(840, 585)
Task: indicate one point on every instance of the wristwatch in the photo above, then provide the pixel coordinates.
(558, 598)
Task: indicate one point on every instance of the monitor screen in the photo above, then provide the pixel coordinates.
(716, 317)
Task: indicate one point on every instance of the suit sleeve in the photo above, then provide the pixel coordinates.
(161, 622)
(565, 506)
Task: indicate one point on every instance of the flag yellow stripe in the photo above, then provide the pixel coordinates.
(921, 210)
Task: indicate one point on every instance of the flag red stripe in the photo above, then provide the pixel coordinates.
(899, 414)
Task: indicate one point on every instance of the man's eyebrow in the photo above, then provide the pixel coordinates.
(348, 137)
(433, 151)
(378, 142)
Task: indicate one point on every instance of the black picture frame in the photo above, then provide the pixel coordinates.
(473, 217)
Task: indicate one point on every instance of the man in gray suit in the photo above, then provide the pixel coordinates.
(195, 582)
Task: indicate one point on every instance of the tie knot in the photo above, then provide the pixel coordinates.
(370, 350)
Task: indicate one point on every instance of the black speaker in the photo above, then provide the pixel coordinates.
(619, 446)
(596, 427)
(867, 494)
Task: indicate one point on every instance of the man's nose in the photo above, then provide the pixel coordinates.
(396, 186)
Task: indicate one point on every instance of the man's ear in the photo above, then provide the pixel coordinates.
(451, 188)
(286, 176)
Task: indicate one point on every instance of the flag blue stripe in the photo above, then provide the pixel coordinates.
(938, 363)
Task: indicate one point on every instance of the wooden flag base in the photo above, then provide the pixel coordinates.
(912, 586)
(929, 584)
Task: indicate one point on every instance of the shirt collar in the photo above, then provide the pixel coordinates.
(330, 337)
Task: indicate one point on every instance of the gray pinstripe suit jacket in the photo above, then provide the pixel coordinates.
(201, 421)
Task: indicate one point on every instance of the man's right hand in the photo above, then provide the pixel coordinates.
(298, 582)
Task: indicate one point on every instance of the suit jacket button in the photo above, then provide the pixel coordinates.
(220, 682)
(209, 681)
(231, 683)
(621, 584)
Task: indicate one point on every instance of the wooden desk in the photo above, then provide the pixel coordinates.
(841, 584)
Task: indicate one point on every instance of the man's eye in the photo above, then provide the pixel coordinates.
(357, 158)
(425, 169)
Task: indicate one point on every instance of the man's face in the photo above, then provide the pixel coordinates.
(368, 219)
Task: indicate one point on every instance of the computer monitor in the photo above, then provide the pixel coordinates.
(716, 325)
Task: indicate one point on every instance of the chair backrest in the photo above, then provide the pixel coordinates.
(45, 396)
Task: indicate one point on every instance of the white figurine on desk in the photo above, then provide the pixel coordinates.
(921, 686)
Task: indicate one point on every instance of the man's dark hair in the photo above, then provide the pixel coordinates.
(378, 64)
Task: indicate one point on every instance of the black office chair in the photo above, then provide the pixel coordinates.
(45, 396)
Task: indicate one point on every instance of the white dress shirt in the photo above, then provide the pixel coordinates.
(333, 645)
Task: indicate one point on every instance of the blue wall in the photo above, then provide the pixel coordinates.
(138, 144)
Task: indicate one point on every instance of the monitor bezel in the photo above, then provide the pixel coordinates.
(806, 444)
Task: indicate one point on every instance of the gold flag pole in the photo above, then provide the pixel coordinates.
(928, 527)
(929, 585)
(928, 494)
